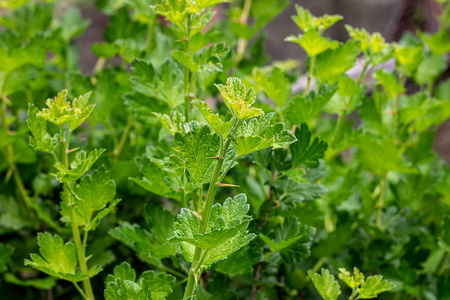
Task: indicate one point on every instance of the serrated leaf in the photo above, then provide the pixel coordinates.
(258, 134)
(332, 63)
(438, 42)
(276, 86)
(306, 151)
(304, 109)
(40, 140)
(325, 284)
(60, 111)
(196, 146)
(239, 100)
(226, 232)
(312, 42)
(186, 60)
(292, 240)
(79, 166)
(58, 259)
(220, 126)
(373, 286)
(166, 85)
(123, 284)
(306, 21)
(352, 281)
(240, 262)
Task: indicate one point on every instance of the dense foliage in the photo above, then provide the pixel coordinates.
(187, 166)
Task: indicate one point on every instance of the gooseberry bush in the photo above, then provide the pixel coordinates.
(189, 158)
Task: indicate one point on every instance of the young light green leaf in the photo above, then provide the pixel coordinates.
(79, 166)
(332, 63)
(239, 100)
(306, 151)
(326, 285)
(258, 134)
(276, 86)
(306, 21)
(373, 286)
(313, 43)
(40, 140)
(292, 240)
(408, 58)
(352, 281)
(220, 126)
(58, 259)
(348, 87)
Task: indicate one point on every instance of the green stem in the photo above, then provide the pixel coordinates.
(395, 112)
(242, 42)
(99, 65)
(73, 219)
(215, 182)
(310, 72)
(151, 33)
(26, 205)
(80, 291)
(380, 203)
(124, 137)
(339, 127)
(440, 264)
(187, 100)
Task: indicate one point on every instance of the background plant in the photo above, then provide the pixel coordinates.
(361, 186)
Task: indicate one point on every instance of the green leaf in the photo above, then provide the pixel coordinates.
(220, 126)
(72, 24)
(38, 283)
(6, 252)
(123, 284)
(408, 58)
(18, 79)
(444, 240)
(348, 87)
(438, 42)
(166, 86)
(197, 146)
(239, 100)
(352, 281)
(305, 109)
(326, 285)
(153, 173)
(313, 43)
(306, 21)
(373, 286)
(209, 59)
(306, 151)
(79, 166)
(186, 60)
(40, 140)
(292, 240)
(387, 158)
(161, 225)
(121, 27)
(58, 259)
(332, 63)
(430, 68)
(60, 111)
(226, 232)
(239, 263)
(276, 86)
(390, 83)
(258, 134)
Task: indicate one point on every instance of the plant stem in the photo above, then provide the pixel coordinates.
(123, 138)
(73, 219)
(26, 205)
(440, 264)
(80, 291)
(215, 182)
(99, 65)
(380, 202)
(339, 127)
(151, 32)
(187, 100)
(395, 112)
(256, 279)
(310, 72)
(242, 42)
